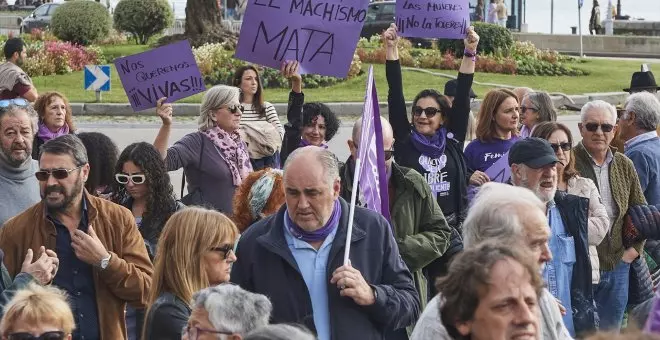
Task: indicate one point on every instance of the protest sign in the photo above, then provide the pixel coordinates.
(320, 34)
(499, 172)
(447, 19)
(169, 71)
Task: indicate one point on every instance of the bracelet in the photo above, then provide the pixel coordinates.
(470, 54)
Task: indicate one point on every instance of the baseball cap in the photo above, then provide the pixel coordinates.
(533, 152)
(450, 89)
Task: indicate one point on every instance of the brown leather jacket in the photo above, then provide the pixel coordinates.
(127, 279)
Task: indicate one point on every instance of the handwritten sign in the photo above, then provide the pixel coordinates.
(169, 71)
(321, 35)
(447, 19)
(499, 172)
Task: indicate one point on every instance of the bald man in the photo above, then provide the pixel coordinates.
(419, 226)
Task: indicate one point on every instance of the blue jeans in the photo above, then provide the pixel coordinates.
(611, 295)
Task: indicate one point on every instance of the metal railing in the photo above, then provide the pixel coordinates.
(233, 25)
(179, 26)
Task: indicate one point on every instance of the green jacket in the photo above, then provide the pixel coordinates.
(626, 192)
(420, 228)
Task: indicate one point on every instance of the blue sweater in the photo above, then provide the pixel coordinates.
(646, 157)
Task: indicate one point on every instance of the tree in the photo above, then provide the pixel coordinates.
(205, 15)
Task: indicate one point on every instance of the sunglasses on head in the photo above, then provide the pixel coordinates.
(593, 127)
(44, 336)
(124, 178)
(564, 146)
(43, 175)
(430, 111)
(226, 249)
(16, 101)
(234, 108)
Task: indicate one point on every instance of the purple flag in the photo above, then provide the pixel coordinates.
(499, 172)
(373, 174)
(169, 71)
(653, 321)
(322, 36)
(447, 19)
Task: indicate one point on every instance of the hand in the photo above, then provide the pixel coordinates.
(629, 255)
(562, 309)
(390, 37)
(472, 40)
(479, 178)
(290, 70)
(88, 247)
(164, 111)
(44, 268)
(351, 284)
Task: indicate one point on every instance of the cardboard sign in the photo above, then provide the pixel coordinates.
(449, 19)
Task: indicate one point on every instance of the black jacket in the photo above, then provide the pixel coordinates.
(166, 318)
(266, 266)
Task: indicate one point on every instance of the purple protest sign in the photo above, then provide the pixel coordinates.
(169, 71)
(321, 35)
(499, 172)
(447, 19)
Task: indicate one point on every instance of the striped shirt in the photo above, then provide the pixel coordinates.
(249, 115)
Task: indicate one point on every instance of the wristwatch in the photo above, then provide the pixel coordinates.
(105, 262)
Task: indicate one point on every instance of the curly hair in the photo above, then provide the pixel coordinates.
(45, 99)
(248, 197)
(258, 101)
(314, 109)
(161, 202)
(102, 155)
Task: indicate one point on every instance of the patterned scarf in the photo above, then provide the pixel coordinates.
(45, 134)
(233, 151)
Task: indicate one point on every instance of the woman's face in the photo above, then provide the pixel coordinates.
(55, 114)
(137, 191)
(559, 142)
(35, 329)
(200, 325)
(217, 263)
(529, 114)
(315, 133)
(249, 82)
(228, 116)
(507, 115)
(425, 123)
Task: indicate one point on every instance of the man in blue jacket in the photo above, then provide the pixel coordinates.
(295, 257)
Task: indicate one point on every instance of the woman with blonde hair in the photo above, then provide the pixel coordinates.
(38, 312)
(259, 196)
(195, 251)
(55, 119)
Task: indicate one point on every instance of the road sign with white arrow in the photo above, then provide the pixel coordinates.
(97, 77)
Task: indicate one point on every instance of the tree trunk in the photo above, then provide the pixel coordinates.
(202, 17)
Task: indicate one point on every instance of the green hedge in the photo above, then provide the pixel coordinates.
(81, 22)
(143, 18)
(493, 39)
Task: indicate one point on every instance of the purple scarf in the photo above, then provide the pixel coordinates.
(45, 134)
(317, 235)
(304, 143)
(434, 147)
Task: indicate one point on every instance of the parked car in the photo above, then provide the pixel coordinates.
(40, 18)
(379, 17)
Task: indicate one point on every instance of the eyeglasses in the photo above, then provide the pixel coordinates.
(193, 332)
(226, 249)
(564, 146)
(124, 178)
(16, 101)
(388, 154)
(44, 336)
(430, 111)
(524, 109)
(233, 108)
(593, 127)
(43, 175)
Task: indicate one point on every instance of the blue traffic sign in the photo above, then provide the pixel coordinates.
(97, 77)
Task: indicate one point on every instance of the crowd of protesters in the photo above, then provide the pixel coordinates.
(95, 243)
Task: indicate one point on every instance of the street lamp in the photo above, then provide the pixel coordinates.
(618, 8)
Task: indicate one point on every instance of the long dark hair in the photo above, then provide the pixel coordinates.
(102, 154)
(161, 202)
(258, 100)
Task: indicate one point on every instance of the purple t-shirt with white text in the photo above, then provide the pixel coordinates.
(481, 155)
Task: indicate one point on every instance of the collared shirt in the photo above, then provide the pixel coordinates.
(76, 278)
(603, 177)
(559, 271)
(313, 267)
(640, 138)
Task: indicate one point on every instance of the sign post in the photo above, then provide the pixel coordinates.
(97, 78)
(580, 3)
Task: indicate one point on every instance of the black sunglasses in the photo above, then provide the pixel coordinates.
(124, 178)
(226, 249)
(44, 336)
(234, 108)
(388, 154)
(430, 111)
(593, 127)
(524, 109)
(566, 146)
(43, 175)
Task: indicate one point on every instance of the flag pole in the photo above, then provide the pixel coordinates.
(351, 214)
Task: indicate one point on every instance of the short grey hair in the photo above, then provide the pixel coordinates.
(281, 332)
(646, 107)
(213, 99)
(327, 159)
(495, 211)
(543, 104)
(67, 145)
(233, 309)
(598, 105)
(12, 110)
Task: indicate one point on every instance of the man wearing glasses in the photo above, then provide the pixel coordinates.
(618, 184)
(103, 260)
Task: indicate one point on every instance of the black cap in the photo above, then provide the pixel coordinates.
(450, 89)
(533, 152)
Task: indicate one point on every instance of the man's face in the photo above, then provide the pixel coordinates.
(309, 197)
(537, 232)
(626, 125)
(17, 137)
(20, 57)
(542, 181)
(60, 194)
(388, 147)
(597, 130)
(508, 306)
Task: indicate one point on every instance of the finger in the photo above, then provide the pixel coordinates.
(349, 292)
(51, 253)
(91, 231)
(161, 101)
(339, 270)
(28, 257)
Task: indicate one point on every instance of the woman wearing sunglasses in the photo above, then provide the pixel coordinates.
(570, 181)
(37, 313)
(195, 251)
(55, 119)
(214, 159)
(535, 108)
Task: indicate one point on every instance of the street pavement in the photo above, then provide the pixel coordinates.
(124, 134)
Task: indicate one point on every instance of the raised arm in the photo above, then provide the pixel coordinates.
(396, 102)
(460, 112)
(164, 111)
(293, 127)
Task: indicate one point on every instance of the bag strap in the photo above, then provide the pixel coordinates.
(199, 166)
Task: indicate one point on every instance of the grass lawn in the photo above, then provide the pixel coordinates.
(606, 76)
